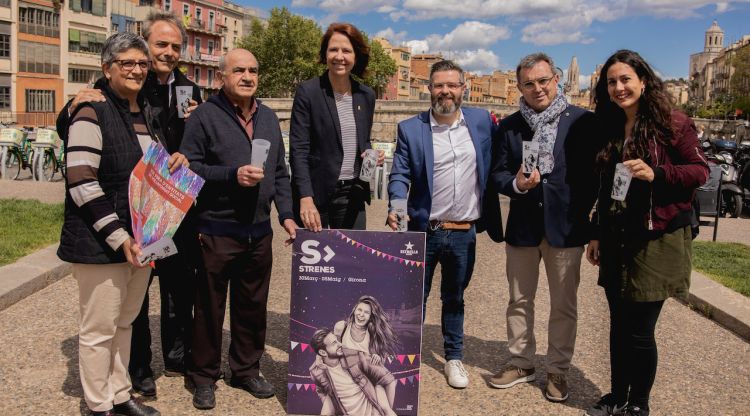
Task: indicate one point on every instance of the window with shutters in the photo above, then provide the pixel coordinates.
(95, 7)
(85, 42)
(38, 20)
(4, 46)
(40, 58)
(40, 101)
(4, 97)
(83, 76)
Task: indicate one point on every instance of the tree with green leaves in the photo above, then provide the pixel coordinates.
(740, 82)
(287, 51)
(380, 69)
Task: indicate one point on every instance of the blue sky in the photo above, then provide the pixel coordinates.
(483, 35)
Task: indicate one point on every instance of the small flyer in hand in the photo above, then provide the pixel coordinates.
(159, 201)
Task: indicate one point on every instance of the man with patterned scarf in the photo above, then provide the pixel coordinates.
(548, 219)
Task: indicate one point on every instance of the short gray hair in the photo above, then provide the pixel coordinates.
(529, 61)
(162, 16)
(121, 42)
(447, 65)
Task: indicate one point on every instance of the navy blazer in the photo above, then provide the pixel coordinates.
(559, 208)
(413, 164)
(315, 148)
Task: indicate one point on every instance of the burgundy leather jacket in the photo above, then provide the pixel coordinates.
(679, 168)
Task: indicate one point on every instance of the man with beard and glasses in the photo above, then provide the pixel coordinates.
(548, 219)
(442, 160)
(164, 33)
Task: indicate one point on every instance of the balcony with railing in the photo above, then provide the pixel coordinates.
(200, 59)
(200, 26)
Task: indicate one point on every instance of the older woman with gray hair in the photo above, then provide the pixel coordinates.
(105, 142)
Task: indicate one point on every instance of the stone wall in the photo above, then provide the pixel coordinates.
(728, 129)
(387, 114)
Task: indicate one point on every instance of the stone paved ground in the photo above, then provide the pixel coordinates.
(703, 369)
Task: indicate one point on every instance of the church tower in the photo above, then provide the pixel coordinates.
(714, 42)
(571, 84)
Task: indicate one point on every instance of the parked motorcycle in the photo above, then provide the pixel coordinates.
(723, 154)
(742, 162)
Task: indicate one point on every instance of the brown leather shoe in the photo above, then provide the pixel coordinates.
(512, 375)
(557, 388)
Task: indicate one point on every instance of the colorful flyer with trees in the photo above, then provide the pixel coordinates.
(355, 323)
(159, 201)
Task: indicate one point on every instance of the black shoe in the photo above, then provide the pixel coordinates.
(204, 397)
(134, 407)
(143, 384)
(634, 410)
(258, 387)
(104, 413)
(606, 406)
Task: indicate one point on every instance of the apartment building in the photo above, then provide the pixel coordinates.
(7, 57)
(85, 27)
(399, 85)
(39, 86)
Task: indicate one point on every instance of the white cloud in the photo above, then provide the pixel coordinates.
(418, 46)
(480, 9)
(567, 28)
(544, 22)
(480, 61)
(472, 34)
(326, 20)
(396, 38)
(348, 6)
(722, 7)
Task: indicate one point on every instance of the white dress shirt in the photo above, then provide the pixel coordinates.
(455, 185)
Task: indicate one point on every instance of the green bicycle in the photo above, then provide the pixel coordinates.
(16, 153)
(49, 155)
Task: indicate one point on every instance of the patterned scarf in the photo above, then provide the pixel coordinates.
(544, 126)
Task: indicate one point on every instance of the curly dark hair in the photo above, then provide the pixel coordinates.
(383, 340)
(652, 121)
(317, 342)
(361, 48)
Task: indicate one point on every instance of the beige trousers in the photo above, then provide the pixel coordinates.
(563, 266)
(110, 296)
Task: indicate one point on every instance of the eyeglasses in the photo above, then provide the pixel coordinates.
(450, 85)
(542, 82)
(129, 64)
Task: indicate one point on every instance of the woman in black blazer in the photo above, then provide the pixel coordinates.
(330, 131)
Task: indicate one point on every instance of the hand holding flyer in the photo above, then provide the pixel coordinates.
(159, 201)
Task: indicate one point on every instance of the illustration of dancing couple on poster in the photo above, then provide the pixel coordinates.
(355, 323)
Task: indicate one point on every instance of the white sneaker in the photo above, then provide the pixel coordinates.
(456, 373)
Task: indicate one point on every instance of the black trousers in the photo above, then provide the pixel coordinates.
(632, 348)
(243, 269)
(346, 208)
(177, 276)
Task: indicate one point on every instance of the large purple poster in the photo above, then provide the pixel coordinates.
(355, 325)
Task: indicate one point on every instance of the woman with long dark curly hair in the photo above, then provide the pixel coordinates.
(642, 244)
(368, 329)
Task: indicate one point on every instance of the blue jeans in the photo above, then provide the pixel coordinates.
(455, 251)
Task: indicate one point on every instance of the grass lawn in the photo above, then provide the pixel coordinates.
(27, 226)
(726, 263)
